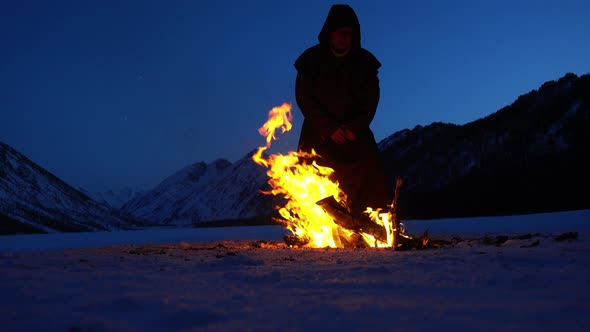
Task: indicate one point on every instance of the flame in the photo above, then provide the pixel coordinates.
(303, 182)
(278, 117)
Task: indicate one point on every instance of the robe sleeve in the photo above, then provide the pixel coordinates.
(313, 111)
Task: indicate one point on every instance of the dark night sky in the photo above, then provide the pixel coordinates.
(107, 94)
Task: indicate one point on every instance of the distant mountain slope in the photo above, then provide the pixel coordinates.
(205, 192)
(114, 198)
(531, 156)
(34, 200)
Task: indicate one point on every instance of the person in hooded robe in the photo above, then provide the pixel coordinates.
(337, 90)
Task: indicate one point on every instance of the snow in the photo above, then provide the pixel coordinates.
(223, 279)
(115, 198)
(31, 194)
(13, 161)
(203, 192)
(154, 235)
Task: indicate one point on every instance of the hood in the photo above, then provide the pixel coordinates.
(338, 17)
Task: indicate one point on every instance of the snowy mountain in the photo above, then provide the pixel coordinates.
(32, 200)
(206, 192)
(115, 198)
(530, 156)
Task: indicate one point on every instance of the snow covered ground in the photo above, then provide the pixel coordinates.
(225, 279)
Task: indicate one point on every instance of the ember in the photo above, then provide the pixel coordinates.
(315, 210)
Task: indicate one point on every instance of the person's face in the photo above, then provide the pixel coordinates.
(340, 39)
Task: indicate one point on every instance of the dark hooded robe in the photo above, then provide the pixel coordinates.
(343, 92)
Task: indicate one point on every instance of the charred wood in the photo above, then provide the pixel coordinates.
(357, 224)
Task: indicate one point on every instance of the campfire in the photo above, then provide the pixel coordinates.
(315, 211)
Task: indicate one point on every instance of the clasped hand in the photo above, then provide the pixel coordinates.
(341, 135)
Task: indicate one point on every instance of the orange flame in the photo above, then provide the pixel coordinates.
(278, 117)
(303, 183)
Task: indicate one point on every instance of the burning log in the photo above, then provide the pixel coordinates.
(364, 224)
(343, 218)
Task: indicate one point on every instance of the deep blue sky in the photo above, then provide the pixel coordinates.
(106, 94)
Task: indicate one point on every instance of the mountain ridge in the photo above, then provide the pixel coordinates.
(502, 163)
(220, 190)
(34, 200)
